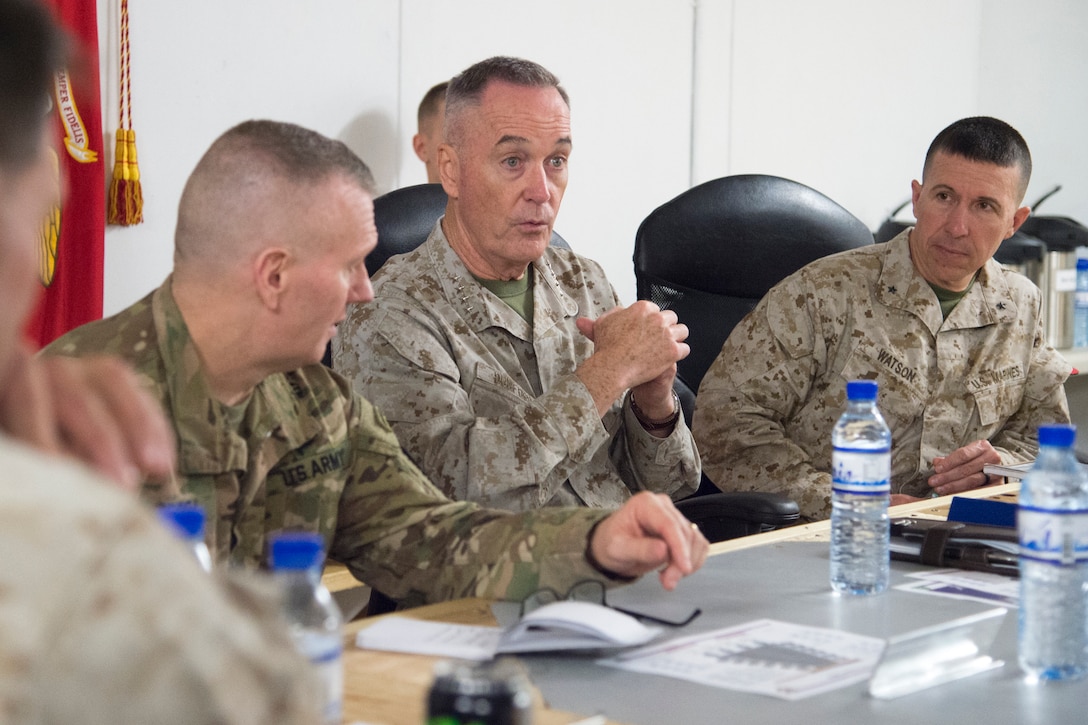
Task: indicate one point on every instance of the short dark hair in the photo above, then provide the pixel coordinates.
(251, 161)
(298, 153)
(466, 88)
(429, 105)
(32, 50)
(985, 139)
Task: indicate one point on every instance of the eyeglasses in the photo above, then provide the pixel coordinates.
(672, 613)
(584, 591)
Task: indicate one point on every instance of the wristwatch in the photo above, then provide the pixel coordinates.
(652, 425)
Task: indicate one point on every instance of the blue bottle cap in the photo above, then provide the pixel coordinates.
(861, 390)
(187, 518)
(1057, 435)
(297, 550)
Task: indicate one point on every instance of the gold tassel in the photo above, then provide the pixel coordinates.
(126, 200)
(126, 197)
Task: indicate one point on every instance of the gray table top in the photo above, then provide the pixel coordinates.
(788, 582)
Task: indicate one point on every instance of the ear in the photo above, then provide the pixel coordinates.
(449, 169)
(270, 272)
(1019, 217)
(419, 145)
(915, 195)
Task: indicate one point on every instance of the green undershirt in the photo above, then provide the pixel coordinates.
(517, 293)
(949, 299)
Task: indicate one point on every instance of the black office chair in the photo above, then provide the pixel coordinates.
(710, 255)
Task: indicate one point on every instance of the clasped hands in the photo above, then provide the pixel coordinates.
(636, 348)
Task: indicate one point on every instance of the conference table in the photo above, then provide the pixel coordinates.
(780, 575)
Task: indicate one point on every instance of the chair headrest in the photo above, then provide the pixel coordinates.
(404, 218)
(741, 235)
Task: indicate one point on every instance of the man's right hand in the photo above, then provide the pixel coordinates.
(647, 533)
(632, 345)
(92, 409)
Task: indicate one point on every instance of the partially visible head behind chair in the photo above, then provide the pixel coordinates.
(429, 121)
(31, 51)
(985, 139)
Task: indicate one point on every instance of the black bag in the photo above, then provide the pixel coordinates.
(956, 544)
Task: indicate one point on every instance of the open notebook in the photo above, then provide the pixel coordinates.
(565, 625)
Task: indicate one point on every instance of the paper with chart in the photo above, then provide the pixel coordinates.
(768, 657)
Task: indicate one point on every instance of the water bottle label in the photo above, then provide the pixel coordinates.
(326, 656)
(331, 674)
(861, 472)
(1053, 537)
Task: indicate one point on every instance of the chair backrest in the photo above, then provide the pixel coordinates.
(405, 217)
(711, 253)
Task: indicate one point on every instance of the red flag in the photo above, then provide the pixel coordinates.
(71, 250)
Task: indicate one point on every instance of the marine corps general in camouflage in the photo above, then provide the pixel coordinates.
(768, 403)
(487, 404)
(303, 452)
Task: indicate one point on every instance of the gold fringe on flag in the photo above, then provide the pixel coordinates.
(126, 198)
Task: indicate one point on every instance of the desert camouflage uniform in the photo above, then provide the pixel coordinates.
(488, 405)
(303, 452)
(767, 405)
(106, 619)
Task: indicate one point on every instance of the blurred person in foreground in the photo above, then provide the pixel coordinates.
(954, 340)
(274, 225)
(508, 368)
(104, 615)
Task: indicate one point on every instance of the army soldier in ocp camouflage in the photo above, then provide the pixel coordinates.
(954, 340)
(273, 229)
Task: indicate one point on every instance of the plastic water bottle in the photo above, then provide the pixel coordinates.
(315, 621)
(1080, 305)
(187, 521)
(860, 490)
(1052, 520)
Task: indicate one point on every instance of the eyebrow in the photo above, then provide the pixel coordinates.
(511, 139)
(988, 199)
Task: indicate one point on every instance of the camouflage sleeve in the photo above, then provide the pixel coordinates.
(1044, 400)
(755, 385)
(669, 465)
(134, 614)
(399, 534)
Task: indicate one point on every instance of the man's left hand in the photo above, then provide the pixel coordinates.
(961, 470)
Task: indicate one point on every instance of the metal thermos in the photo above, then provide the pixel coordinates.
(1026, 255)
(1061, 236)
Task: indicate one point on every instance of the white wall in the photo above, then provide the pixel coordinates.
(201, 66)
(843, 95)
